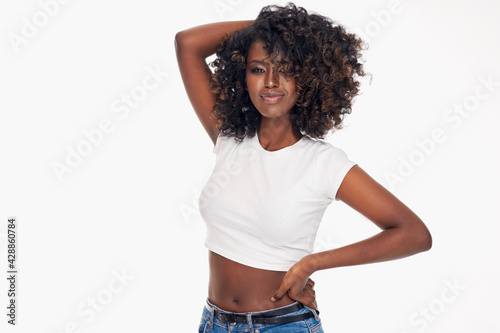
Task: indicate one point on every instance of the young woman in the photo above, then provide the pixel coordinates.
(281, 83)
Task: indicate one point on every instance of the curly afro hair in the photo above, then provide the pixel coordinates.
(321, 56)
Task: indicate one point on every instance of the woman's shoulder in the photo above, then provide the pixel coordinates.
(224, 140)
(322, 145)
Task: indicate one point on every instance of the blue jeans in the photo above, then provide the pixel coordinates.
(210, 323)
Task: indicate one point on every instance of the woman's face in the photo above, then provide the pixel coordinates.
(272, 92)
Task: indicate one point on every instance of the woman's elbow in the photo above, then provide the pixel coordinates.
(179, 40)
(184, 39)
(423, 238)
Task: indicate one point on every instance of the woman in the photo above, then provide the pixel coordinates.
(279, 84)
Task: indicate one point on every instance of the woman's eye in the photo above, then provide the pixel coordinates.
(257, 70)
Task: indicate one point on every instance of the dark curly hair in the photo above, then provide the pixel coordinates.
(322, 57)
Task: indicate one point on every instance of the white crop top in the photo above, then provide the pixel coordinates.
(263, 208)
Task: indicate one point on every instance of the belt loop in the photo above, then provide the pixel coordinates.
(316, 313)
(249, 321)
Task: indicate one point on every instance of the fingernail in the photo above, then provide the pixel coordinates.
(273, 299)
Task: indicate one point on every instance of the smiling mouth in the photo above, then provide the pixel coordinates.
(272, 98)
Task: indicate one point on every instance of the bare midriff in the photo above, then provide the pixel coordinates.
(239, 288)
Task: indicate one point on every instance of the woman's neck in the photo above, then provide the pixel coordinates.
(275, 134)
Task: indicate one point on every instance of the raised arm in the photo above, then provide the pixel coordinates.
(192, 47)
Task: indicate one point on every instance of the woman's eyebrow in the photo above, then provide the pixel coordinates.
(262, 62)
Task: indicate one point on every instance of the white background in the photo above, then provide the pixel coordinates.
(129, 206)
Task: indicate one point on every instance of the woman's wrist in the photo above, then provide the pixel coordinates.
(309, 264)
(205, 38)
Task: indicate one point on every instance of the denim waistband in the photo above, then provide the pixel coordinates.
(296, 314)
(211, 306)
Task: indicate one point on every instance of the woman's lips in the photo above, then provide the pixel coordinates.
(272, 98)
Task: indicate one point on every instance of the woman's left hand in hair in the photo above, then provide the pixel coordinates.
(298, 285)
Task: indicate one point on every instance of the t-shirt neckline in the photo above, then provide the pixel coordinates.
(259, 147)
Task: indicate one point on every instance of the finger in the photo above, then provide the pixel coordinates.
(308, 286)
(310, 283)
(308, 301)
(311, 302)
(309, 297)
(278, 294)
(309, 291)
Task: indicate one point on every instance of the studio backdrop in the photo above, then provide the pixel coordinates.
(103, 160)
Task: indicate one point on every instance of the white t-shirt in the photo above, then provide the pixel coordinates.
(263, 208)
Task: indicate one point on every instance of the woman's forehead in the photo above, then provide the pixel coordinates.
(258, 53)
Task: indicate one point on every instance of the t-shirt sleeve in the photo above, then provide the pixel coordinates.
(332, 166)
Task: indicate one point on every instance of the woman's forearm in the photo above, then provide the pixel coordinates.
(390, 244)
(203, 40)
(192, 47)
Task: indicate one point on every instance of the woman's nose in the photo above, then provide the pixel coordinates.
(272, 78)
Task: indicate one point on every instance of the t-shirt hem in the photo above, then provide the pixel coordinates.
(245, 262)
